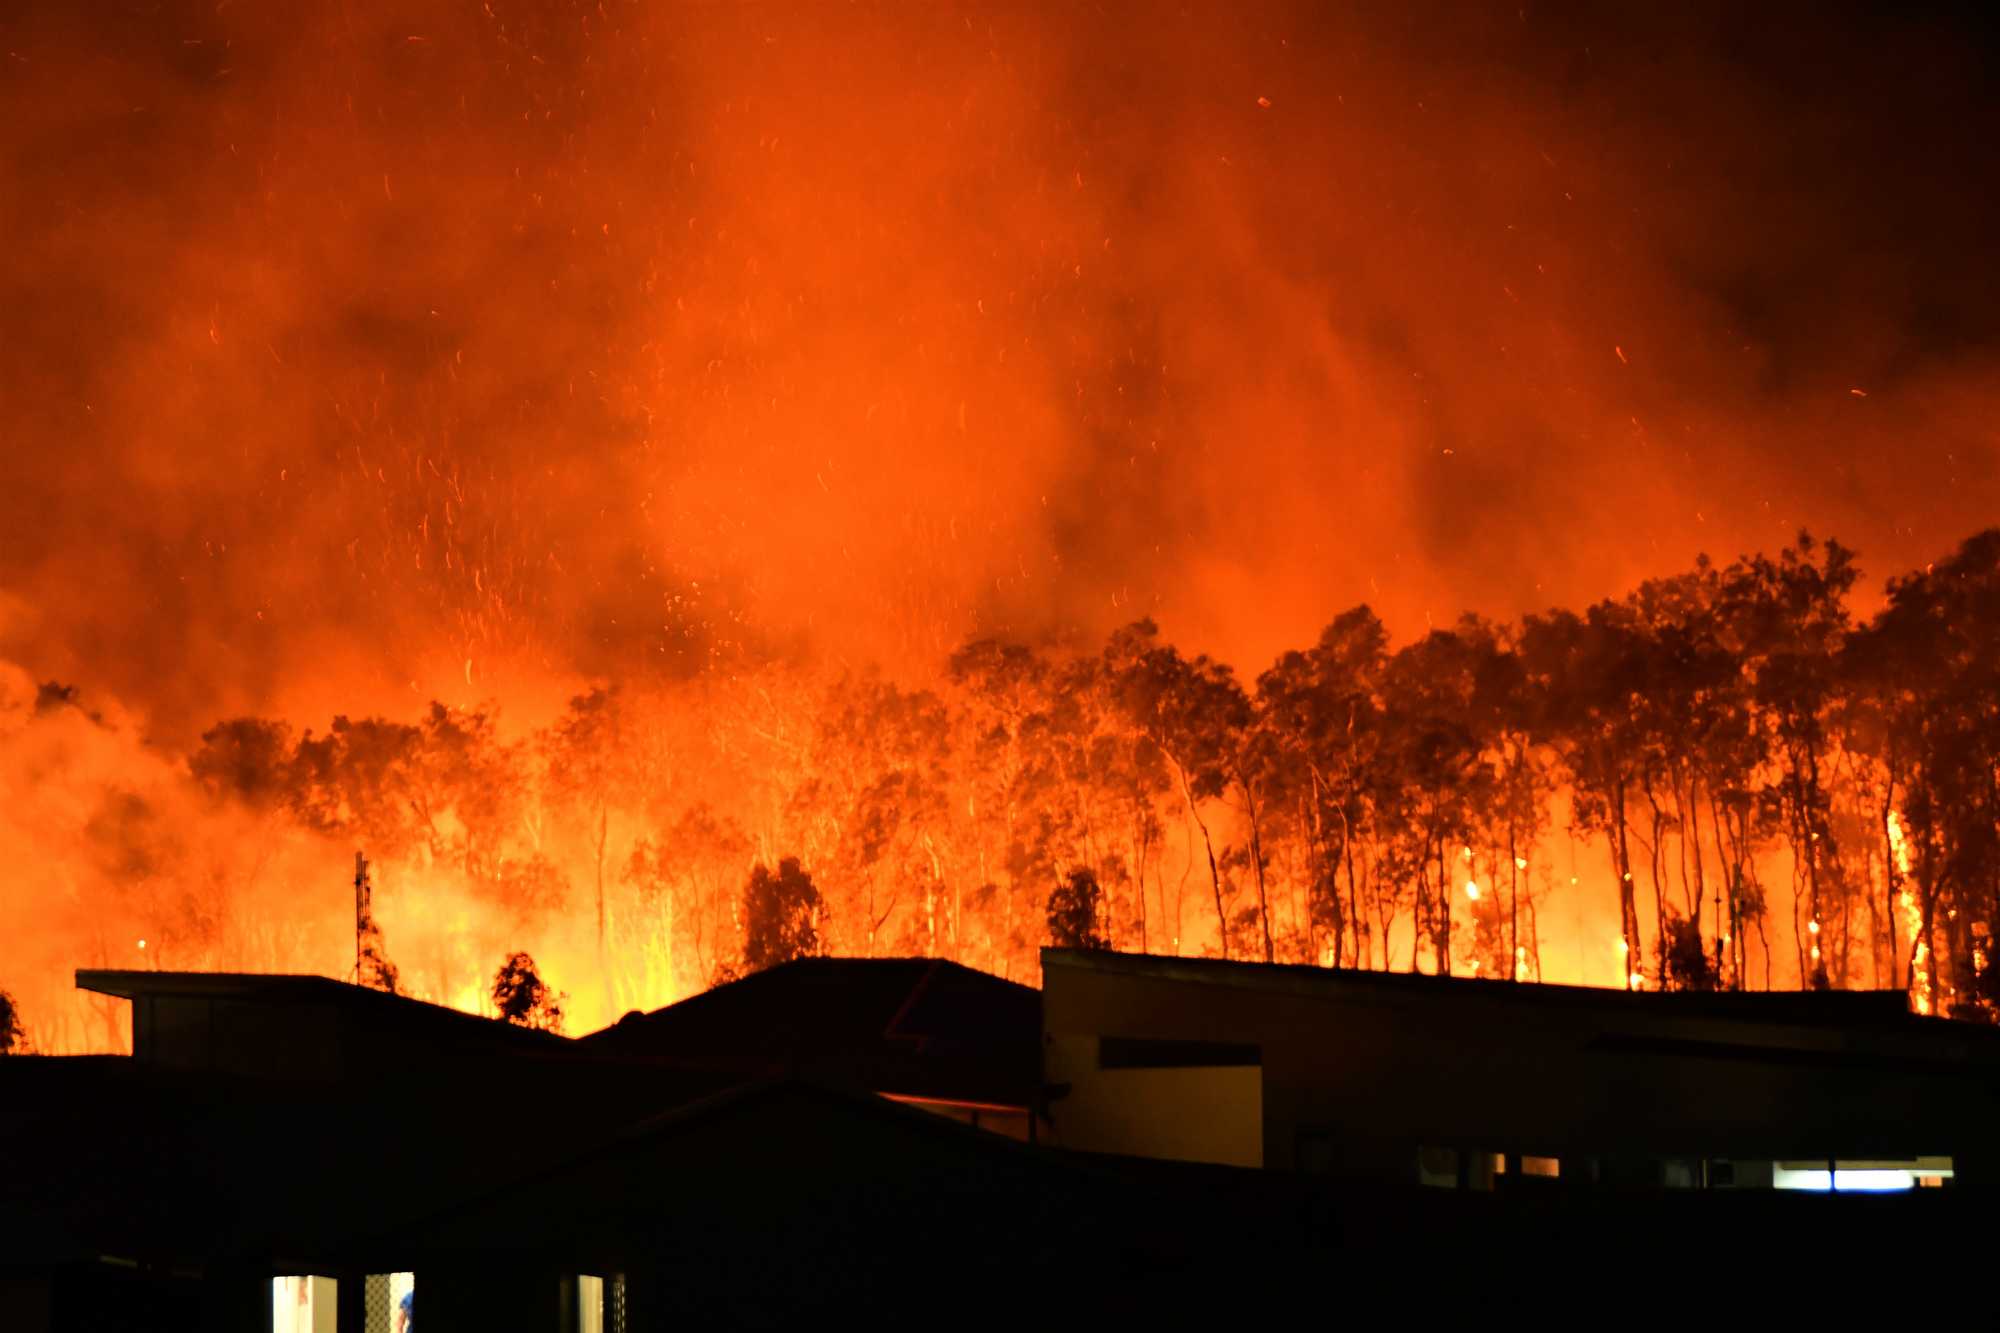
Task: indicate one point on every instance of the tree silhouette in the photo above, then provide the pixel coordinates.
(780, 915)
(1699, 743)
(1587, 670)
(1790, 618)
(1073, 912)
(523, 999)
(12, 1035)
(1193, 711)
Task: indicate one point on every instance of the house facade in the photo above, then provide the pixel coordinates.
(906, 1139)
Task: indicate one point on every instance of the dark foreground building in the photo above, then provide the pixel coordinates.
(902, 1140)
(1452, 1082)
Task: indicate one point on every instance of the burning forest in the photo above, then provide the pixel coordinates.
(679, 488)
(1720, 780)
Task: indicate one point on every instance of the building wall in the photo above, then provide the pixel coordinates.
(1191, 1113)
(270, 1040)
(1357, 1077)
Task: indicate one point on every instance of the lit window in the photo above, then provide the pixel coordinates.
(301, 1303)
(1863, 1176)
(1788, 1178)
(1541, 1166)
(402, 1311)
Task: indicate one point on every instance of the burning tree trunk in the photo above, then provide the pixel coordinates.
(1244, 785)
(1214, 875)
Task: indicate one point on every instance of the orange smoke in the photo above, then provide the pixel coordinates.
(364, 355)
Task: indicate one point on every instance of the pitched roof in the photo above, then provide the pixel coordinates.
(920, 1027)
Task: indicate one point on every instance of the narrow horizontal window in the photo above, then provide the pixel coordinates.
(1149, 1053)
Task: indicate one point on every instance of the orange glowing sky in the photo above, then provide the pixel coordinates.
(359, 354)
(351, 343)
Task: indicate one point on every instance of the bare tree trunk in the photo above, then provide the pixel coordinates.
(1890, 877)
(1353, 897)
(1145, 844)
(1443, 906)
(1513, 905)
(1654, 867)
(1805, 798)
(1621, 865)
(1315, 876)
(1691, 845)
(1724, 934)
(1214, 875)
(1257, 862)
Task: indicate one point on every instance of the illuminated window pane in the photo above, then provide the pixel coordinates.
(402, 1303)
(1862, 1176)
(1541, 1166)
(589, 1304)
(301, 1303)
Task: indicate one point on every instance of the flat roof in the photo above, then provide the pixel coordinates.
(289, 988)
(1837, 1009)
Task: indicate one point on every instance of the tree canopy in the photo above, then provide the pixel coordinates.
(1723, 778)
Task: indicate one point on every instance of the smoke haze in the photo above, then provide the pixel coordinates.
(364, 354)
(349, 343)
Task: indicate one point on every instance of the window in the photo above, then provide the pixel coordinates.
(1545, 1167)
(1157, 1053)
(303, 1303)
(1438, 1167)
(600, 1303)
(402, 1303)
(1862, 1175)
(387, 1303)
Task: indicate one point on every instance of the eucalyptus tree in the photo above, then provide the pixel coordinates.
(1788, 618)
(1932, 661)
(1322, 709)
(1195, 713)
(1587, 670)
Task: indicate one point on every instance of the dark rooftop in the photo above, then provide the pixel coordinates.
(1833, 1019)
(911, 1026)
(1841, 1008)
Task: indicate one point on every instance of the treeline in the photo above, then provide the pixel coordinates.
(1758, 789)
